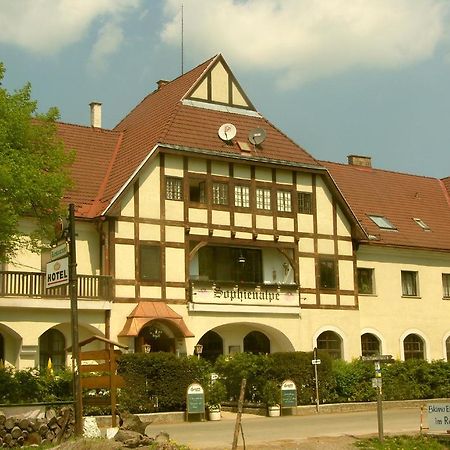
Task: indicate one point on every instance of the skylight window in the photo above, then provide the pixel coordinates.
(383, 223)
(421, 224)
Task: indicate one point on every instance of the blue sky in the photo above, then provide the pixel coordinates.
(368, 77)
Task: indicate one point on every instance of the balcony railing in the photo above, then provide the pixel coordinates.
(32, 284)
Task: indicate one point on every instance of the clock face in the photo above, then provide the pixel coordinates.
(227, 131)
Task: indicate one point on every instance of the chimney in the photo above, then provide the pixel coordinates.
(358, 160)
(162, 83)
(96, 114)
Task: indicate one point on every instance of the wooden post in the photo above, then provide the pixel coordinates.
(239, 414)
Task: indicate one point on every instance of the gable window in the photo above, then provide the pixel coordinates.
(197, 191)
(263, 198)
(446, 285)
(220, 193)
(365, 281)
(150, 263)
(174, 188)
(413, 347)
(409, 283)
(327, 269)
(284, 203)
(242, 196)
(382, 222)
(304, 202)
(422, 224)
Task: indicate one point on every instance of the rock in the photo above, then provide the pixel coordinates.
(124, 435)
(162, 438)
(90, 428)
(111, 432)
(132, 422)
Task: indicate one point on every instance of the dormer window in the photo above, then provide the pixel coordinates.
(421, 224)
(382, 222)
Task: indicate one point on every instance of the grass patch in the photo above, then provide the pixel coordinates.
(422, 442)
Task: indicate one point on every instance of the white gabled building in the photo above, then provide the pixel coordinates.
(199, 222)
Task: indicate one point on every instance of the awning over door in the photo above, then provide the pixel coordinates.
(145, 312)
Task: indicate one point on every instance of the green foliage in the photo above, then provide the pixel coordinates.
(33, 171)
(233, 368)
(271, 393)
(161, 375)
(28, 386)
(353, 381)
(421, 442)
(216, 393)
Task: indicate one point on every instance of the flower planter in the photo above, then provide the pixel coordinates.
(273, 411)
(214, 413)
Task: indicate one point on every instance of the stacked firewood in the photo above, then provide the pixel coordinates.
(55, 427)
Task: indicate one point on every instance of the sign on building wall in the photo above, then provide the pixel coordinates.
(57, 273)
(244, 295)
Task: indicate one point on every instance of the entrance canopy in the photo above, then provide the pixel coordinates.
(145, 312)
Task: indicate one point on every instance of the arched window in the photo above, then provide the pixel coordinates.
(153, 338)
(447, 345)
(330, 342)
(256, 342)
(413, 347)
(370, 345)
(52, 346)
(2, 349)
(212, 345)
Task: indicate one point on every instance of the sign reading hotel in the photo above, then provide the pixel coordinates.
(57, 273)
(244, 295)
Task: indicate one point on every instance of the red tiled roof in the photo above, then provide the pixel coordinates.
(94, 150)
(399, 197)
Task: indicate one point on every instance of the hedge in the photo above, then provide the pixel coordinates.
(159, 381)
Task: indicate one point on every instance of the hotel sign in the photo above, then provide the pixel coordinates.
(57, 273)
(270, 295)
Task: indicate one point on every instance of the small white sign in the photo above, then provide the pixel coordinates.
(57, 273)
(58, 252)
(316, 362)
(438, 416)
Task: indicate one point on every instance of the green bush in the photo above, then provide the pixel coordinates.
(161, 375)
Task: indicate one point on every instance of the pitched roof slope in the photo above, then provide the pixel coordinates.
(94, 149)
(163, 118)
(400, 198)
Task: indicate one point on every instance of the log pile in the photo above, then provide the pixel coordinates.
(55, 427)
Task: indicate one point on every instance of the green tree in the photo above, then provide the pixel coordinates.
(34, 171)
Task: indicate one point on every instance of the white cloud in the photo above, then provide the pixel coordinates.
(47, 26)
(304, 39)
(110, 36)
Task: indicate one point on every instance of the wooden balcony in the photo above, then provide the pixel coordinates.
(32, 284)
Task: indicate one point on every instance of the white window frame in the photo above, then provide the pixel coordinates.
(284, 201)
(220, 193)
(242, 196)
(382, 222)
(263, 199)
(174, 188)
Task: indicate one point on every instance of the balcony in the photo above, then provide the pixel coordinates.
(32, 284)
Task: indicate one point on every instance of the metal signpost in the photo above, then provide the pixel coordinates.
(377, 383)
(61, 270)
(315, 362)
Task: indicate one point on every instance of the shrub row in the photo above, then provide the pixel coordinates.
(165, 377)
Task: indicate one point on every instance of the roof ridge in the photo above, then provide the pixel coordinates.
(378, 169)
(90, 127)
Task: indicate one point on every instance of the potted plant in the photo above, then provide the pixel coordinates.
(271, 396)
(216, 394)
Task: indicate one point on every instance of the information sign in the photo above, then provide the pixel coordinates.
(58, 252)
(195, 399)
(438, 416)
(316, 362)
(288, 394)
(57, 273)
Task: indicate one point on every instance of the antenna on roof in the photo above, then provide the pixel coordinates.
(182, 39)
